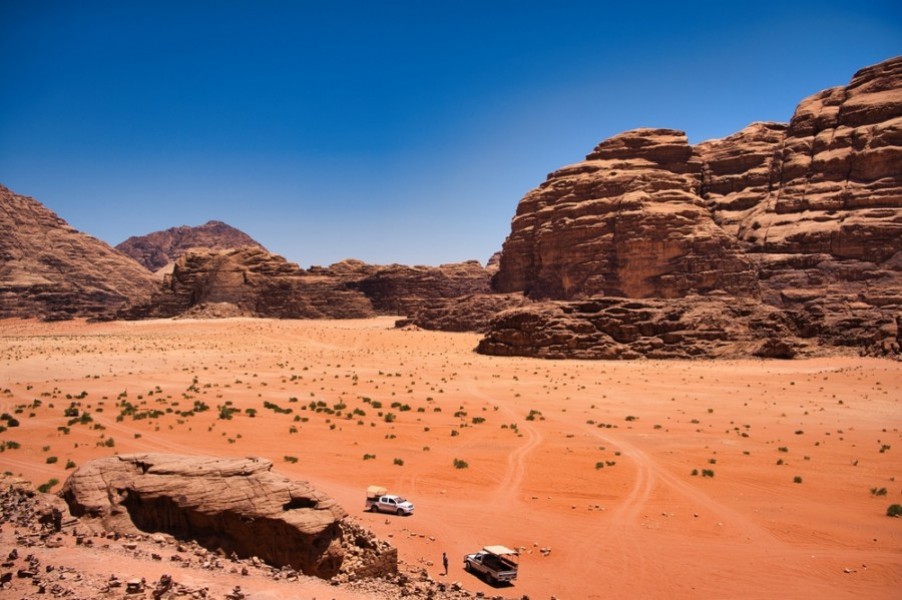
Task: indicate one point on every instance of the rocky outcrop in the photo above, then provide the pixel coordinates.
(627, 221)
(622, 328)
(158, 249)
(403, 290)
(804, 217)
(233, 505)
(49, 270)
(253, 282)
(250, 282)
(473, 312)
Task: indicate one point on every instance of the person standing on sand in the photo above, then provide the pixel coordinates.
(445, 562)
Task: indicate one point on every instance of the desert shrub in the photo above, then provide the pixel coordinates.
(478, 420)
(707, 473)
(226, 411)
(389, 417)
(878, 491)
(276, 408)
(70, 464)
(291, 459)
(51, 460)
(460, 464)
(599, 465)
(399, 462)
(894, 510)
(45, 488)
(797, 479)
(369, 456)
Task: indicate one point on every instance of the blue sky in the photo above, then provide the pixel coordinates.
(391, 132)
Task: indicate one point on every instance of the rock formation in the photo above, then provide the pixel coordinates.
(714, 326)
(402, 290)
(472, 312)
(253, 282)
(161, 248)
(250, 282)
(234, 505)
(49, 270)
(627, 221)
(805, 218)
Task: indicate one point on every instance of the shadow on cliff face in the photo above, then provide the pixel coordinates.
(271, 540)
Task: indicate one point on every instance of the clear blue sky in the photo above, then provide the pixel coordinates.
(386, 131)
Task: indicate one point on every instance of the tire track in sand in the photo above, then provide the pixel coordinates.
(509, 487)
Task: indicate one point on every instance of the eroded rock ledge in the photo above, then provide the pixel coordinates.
(237, 506)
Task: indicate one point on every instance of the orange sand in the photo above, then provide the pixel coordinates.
(600, 477)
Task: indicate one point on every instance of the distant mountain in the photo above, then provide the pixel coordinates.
(161, 248)
(51, 271)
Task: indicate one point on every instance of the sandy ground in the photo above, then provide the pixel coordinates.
(645, 479)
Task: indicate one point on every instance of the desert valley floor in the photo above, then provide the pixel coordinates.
(643, 479)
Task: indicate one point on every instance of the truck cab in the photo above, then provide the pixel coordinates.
(379, 500)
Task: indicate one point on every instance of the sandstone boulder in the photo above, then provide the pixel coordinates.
(234, 505)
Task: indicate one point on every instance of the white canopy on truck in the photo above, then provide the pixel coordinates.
(501, 550)
(376, 490)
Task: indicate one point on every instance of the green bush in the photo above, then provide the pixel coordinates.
(894, 510)
(460, 464)
(45, 488)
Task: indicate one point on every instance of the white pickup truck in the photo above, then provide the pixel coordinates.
(496, 564)
(379, 500)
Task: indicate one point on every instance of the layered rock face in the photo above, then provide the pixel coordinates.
(160, 248)
(253, 282)
(250, 282)
(804, 217)
(234, 505)
(49, 270)
(817, 204)
(627, 221)
(403, 290)
(623, 328)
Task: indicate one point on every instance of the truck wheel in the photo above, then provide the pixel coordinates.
(399, 512)
(374, 508)
(467, 566)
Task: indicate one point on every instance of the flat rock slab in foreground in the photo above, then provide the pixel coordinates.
(236, 505)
